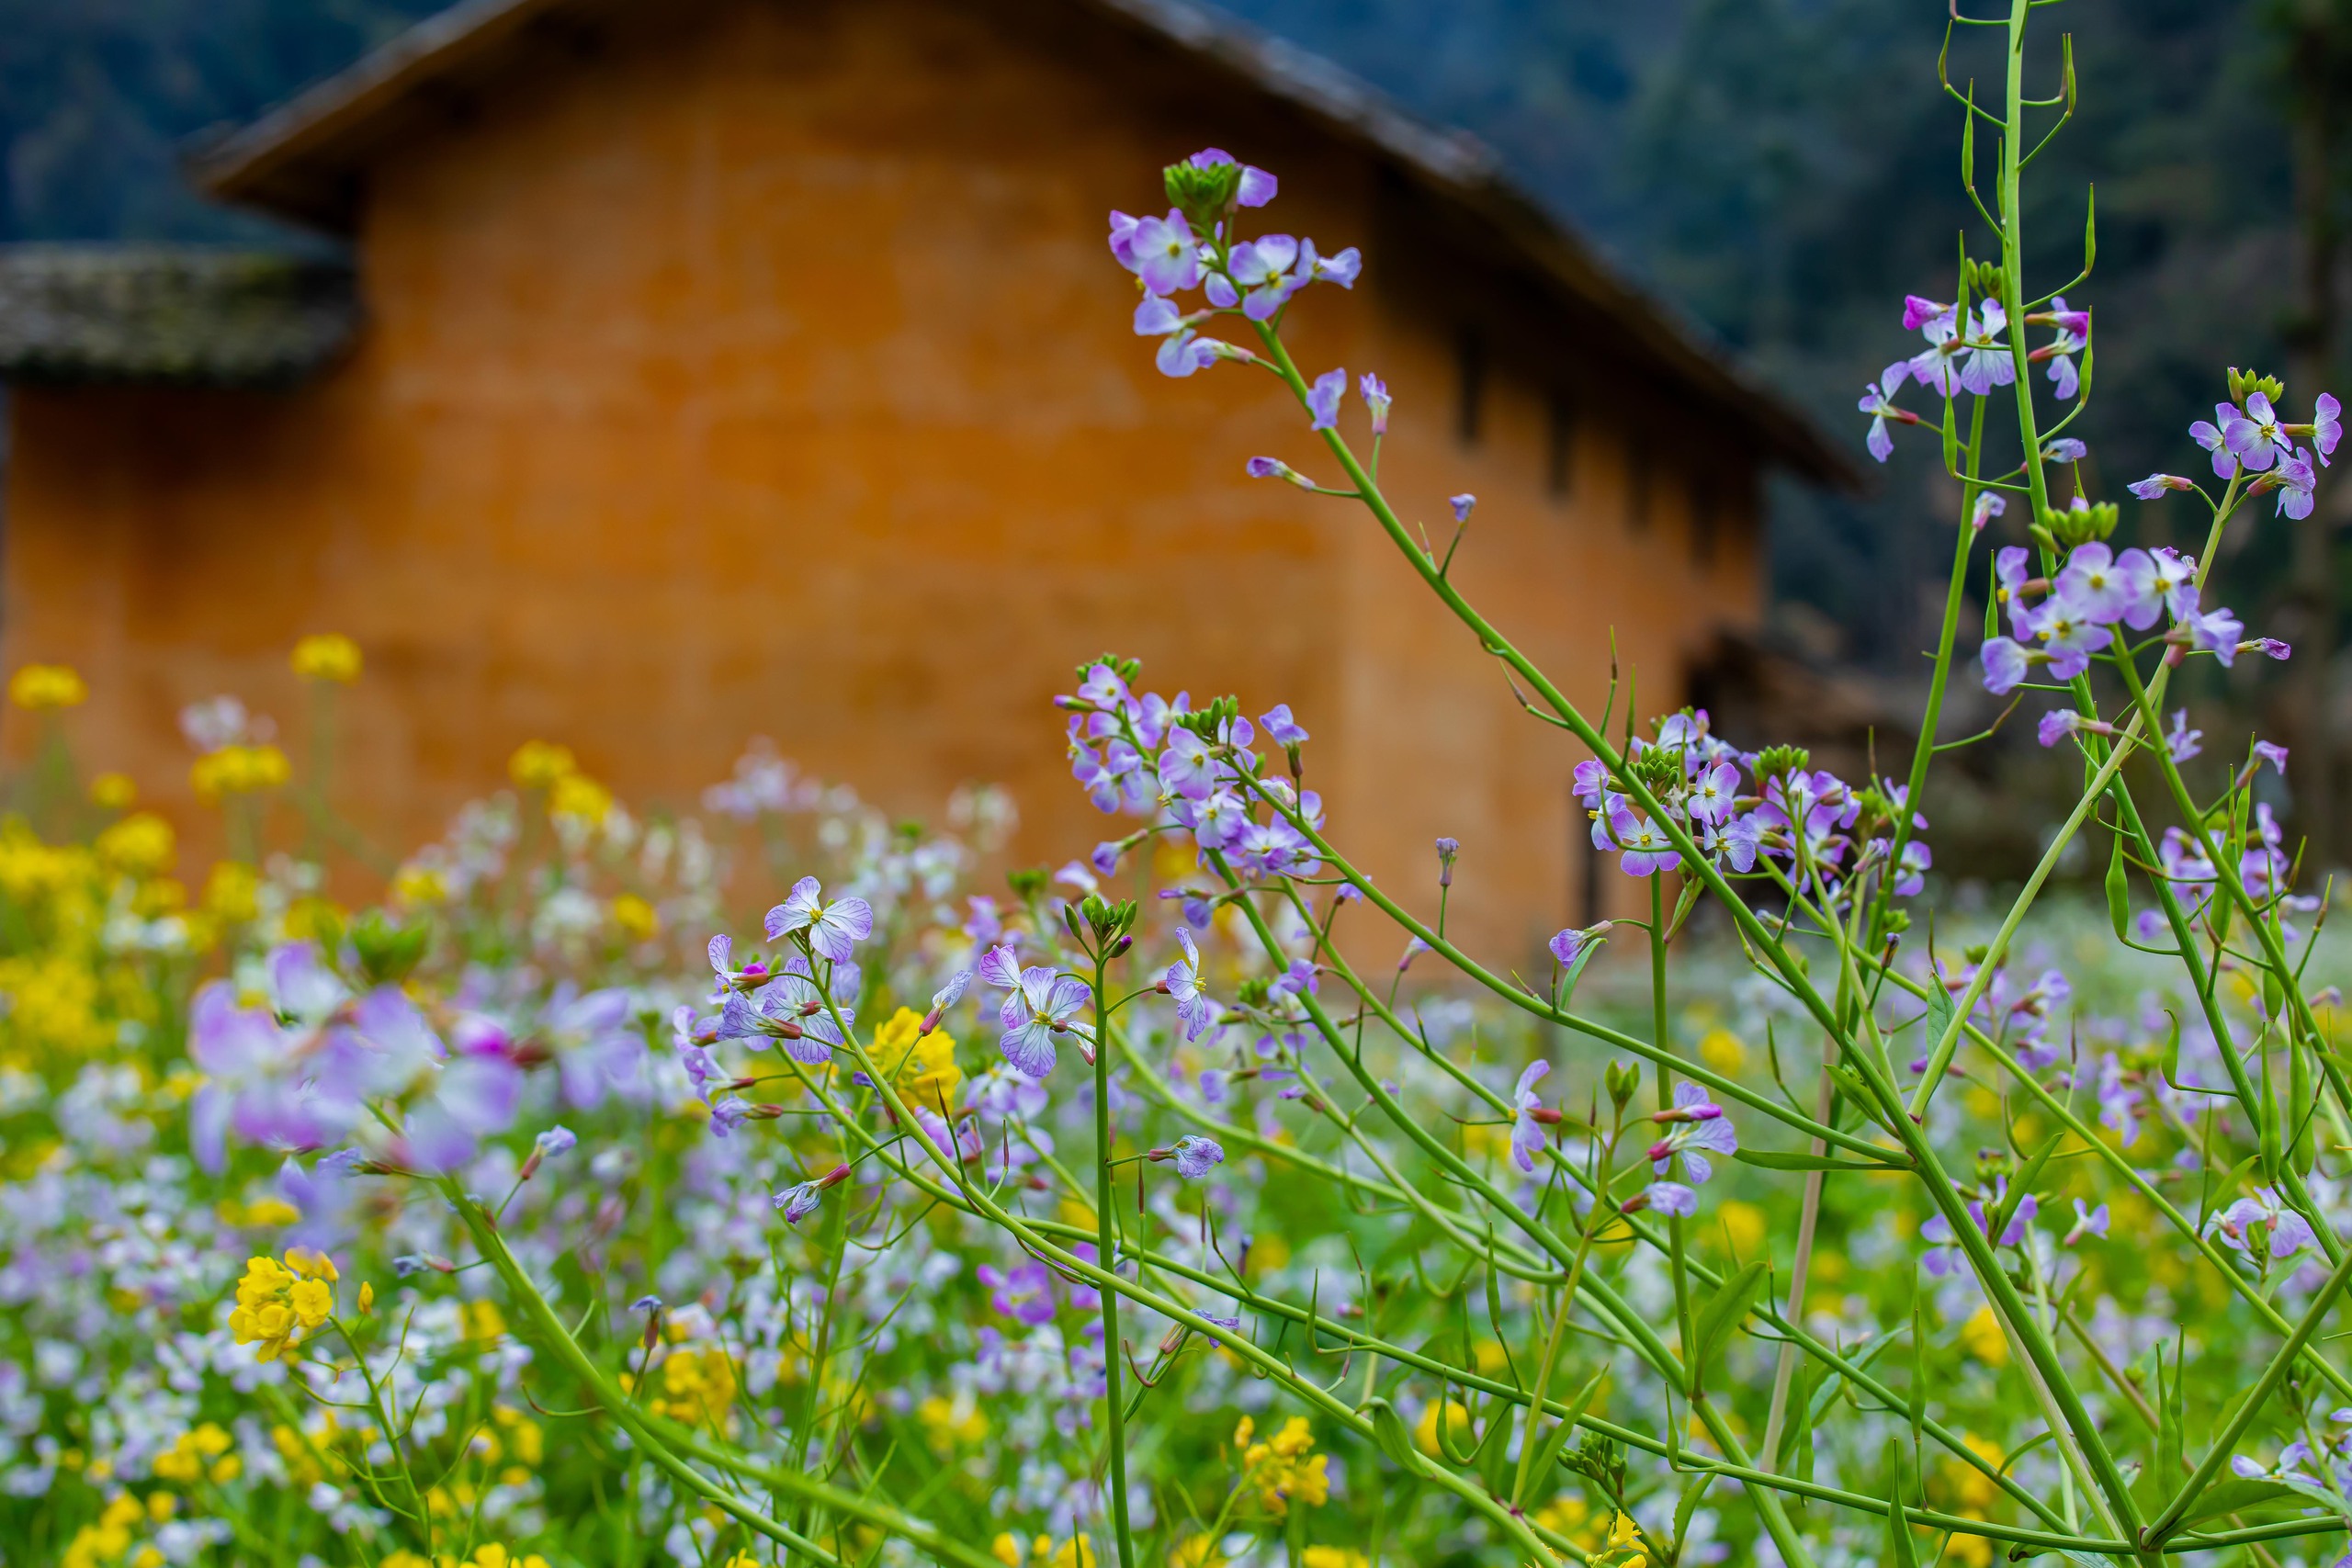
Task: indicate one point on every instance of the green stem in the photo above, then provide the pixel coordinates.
(1106, 1245)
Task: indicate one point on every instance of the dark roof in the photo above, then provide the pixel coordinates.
(182, 316)
(300, 160)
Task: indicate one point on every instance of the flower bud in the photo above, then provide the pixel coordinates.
(1447, 849)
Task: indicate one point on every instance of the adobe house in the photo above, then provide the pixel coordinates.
(728, 367)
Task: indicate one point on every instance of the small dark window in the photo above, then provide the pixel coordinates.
(1470, 356)
(1560, 447)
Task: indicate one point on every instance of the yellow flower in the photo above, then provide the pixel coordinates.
(1076, 1552)
(700, 1385)
(1457, 1427)
(1723, 1050)
(1006, 1549)
(923, 1065)
(419, 886)
(1201, 1551)
(139, 845)
(183, 1460)
(1333, 1557)
(330, 656)
(577, 796)
(490, 1554)
(46, 686)
(238, 770)
(233, 893)
(951, 1422)
(1285, 1469)
(538, 764)
(402, 1558)
(1743, 1224)
(267, 1213)
(278, 1303)
(484, 1322)
(115, 792)
(1981, 1336)
(367, 1298)
(635, 917)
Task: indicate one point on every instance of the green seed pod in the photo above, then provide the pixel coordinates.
(2119, 892)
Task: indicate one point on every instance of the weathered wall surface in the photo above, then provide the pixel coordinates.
(765, 374)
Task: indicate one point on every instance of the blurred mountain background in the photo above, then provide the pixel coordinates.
(1782, 171)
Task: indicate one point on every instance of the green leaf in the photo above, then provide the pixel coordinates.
(1689, 1505)
(1724, 1310)
(2022, 1183)
(1558, 1437)
(1901, 1551)
(1492, 1457)
(1768, 1160)
(2234, 1495)
(2171, 1421)
(1389, 1431)
(1940, 1011)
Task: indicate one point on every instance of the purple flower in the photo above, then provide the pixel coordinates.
(2068, 638)
(1568, 945)
(1342, 269)
(2210, 436)
(1374, 393)
(1461, 505)
(1527, 1133)
(555, 1142)
(1877, 400)
(2269, 648)
(1323, 398)
(834, 929)
(2216, 632)
(1734, 842)
(2176, 581)
(1297, 978)
(1046, 1004)
(2056, 725)
(2270, 752)
(1275, 468)
(1713, 794)
(1160, 251)
(1279, 728)
(1261, 269)
(1193, 1008)
(2327, 427)
(2254, 437)
(1024, 1292)
(1911, 870)
(2103, 587)
(1189, 767)
(2065, 449)
(2004, 665)
(1196, 1155)
(2155, 485)
(1665, 1198)
(800, 1200)
(2290, 1232)
(2296, 484)
(727, 1115)
(1989, 506)
(2074, 327)
(1989, 365)
(1696, 1128)
(1646, 847)
(1918, 312)
(2182, 742)
(2088, 1222)
(791, 1010)
(1256, 187)
(1183, 352)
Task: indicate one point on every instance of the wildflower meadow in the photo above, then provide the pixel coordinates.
(787, 1183)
